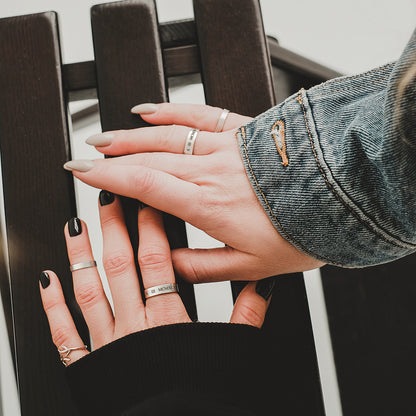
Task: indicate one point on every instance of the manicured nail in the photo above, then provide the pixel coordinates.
(101, 139)
(74, 227)
(106, 198)
(44, 279)
(79, 165)
(264, 287)
(147, 108)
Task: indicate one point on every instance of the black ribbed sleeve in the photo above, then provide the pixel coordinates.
(163, 370)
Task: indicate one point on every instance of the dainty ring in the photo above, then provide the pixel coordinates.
(83, 265)
(190, 142)
(65, 351)
(221, 120)
(161, 290)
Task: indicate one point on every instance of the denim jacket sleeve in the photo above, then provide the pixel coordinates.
(334, 167)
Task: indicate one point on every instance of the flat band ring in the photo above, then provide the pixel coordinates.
(83, 265)
(190, 142)
(161, 290)
(221, 120)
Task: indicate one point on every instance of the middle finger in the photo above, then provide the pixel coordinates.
(118, 261)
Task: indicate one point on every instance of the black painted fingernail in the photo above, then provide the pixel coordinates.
(106, 198)
(74, 227)
(44, 280)
(264, 287)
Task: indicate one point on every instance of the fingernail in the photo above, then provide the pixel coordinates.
(264, 287)
(44, 279)
(106, 198)
(147, 108)
(79, 165)
(74, 227)
(101, 139)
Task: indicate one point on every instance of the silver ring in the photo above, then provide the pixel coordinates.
(190, 142)
(161, 290)
(221, 120)
(65, 351)
(83, 265)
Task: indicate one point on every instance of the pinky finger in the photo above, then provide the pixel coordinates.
(64, 333)
(251, 305)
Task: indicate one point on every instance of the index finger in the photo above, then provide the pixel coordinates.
(203, 117)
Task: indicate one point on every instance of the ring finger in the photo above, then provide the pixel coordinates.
(88, 288)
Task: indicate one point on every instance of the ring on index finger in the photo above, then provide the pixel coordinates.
(190, 142)
(221, 120)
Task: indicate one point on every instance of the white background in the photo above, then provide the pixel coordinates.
(349, 36)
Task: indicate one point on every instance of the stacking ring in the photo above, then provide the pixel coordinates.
(83, 265)
(190, 142)
(221, 120)
(161, 290)
(65, 351)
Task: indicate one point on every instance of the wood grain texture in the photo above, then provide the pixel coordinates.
(38, 197)
(237, 75)
(129, 64)
(372, 322)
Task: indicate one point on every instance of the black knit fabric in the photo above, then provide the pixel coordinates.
(193, 368)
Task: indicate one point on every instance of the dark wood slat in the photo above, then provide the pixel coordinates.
(38, 197)
(5, 293)
(128, 73)
(372, 322)
(234, 51)
(237, 75)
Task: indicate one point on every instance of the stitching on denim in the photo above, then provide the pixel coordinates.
(353, 88)
(332, 81)
(243, 134)
(365, 223)
(281, 132)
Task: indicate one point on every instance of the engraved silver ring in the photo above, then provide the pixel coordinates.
(83, 265)
(221, 121)
(161, 290)
(190, 142)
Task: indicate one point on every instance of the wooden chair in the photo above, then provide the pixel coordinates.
(134, 56)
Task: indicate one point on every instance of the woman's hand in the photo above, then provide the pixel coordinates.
(130, 313)
(208, 189)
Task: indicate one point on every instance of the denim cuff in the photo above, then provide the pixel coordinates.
(284, 161)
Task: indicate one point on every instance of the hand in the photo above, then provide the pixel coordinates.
(130, 313)
(208, 189)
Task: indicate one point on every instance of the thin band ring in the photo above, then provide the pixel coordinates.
(161, 290)
(65, 351)
(221, 120)
(190, 142)
(83, 265)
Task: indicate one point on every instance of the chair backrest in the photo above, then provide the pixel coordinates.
(227, 45)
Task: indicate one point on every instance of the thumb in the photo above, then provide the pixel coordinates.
(252, 303)
(214, 264)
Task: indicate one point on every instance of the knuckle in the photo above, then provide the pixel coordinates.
(49, 305)
(61, 336)
(110, 220)
(154, 258)
(76, 252)
(145, 182)
(250, 314)
(88, 295)
(117, 263)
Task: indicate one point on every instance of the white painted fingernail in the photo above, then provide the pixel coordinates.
(101, 139)
(146, 108)
(79, 165)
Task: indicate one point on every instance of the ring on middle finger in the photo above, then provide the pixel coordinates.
(190, 142)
